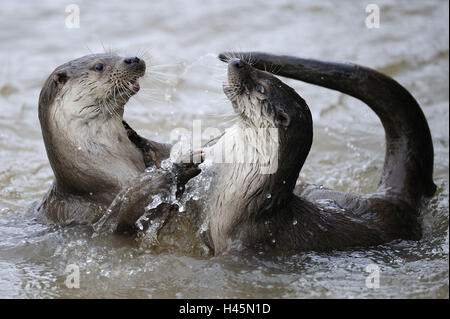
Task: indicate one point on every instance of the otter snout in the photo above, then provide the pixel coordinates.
(237, 66)
(132, 60)
(238, 71)
(135, 63)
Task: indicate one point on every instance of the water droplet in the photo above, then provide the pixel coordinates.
(268, 196)
(79, 148)
(294, 222)
(273, 241)
(284, 182)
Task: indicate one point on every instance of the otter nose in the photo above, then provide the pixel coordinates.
(237, 63)
(131, 60)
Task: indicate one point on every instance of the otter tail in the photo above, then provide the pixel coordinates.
(408, 166)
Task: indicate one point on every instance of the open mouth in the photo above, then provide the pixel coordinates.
(133, 85)
(226, 87)
(229, 91)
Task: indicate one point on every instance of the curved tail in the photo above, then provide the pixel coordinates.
(408, 166)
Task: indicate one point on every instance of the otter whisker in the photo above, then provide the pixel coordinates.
(160, 74)
(160, 79)
(229, 56)
(275, 69)
(105, 106)
(105, 50)
(115, 100)
(123, 90)
(151, 92)
(168, 65)
(144, 54)
(114, 112)
(151, 97)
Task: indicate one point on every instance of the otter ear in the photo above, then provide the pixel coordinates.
(283, 119)
(60, 77)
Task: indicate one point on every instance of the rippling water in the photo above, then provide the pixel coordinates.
(180, 41)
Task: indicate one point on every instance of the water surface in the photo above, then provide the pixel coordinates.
(180, 41)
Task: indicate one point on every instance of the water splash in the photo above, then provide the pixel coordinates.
(195, 190)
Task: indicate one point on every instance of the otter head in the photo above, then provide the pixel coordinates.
(262, 101)
(96, 84)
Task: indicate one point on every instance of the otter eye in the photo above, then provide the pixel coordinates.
(260, 89)
(99, 67)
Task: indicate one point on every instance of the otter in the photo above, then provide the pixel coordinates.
(252, 209)
(93, 152)
(255, 204)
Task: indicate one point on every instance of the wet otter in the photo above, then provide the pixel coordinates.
(254, 203)
(94, 154)
(250, 209)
